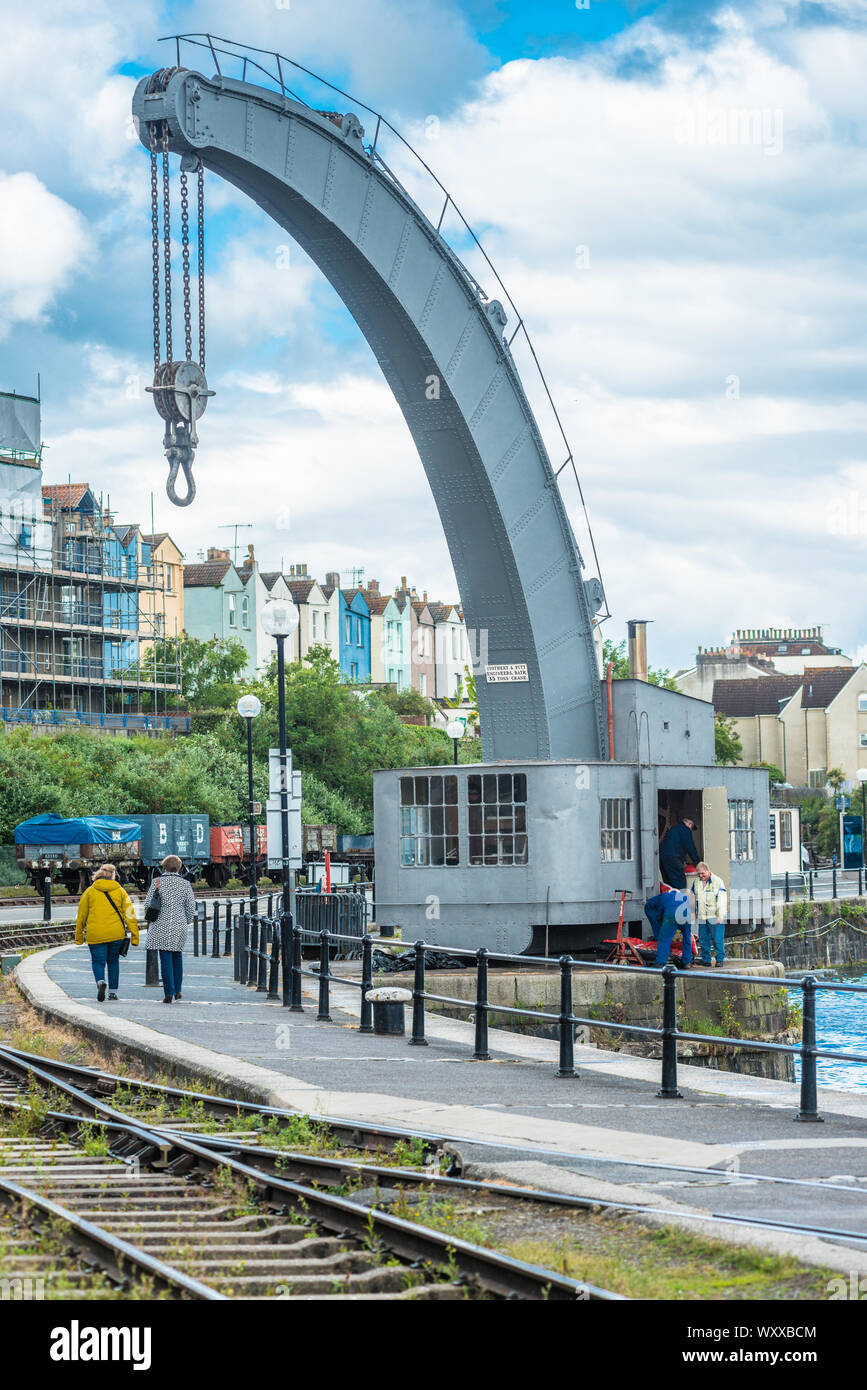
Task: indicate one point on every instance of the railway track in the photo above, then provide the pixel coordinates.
(211, 1123)
(24, 938)
(197, 1216)
(36, 899)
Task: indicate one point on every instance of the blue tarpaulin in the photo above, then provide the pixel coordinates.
(84, 830)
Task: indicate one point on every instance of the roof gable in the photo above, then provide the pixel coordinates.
(69, 494)
(742, 699)
(822, 684)
(210, 574)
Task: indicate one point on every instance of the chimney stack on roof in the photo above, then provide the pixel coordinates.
(332, 579)
(215, 553)
(373, 585)
(637, 633)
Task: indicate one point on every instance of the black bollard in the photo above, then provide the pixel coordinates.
(788, 899)
(480, 1049)
(668, 1089)
(296, 1006)
(262, 958)
(227, 938)
(567, 1026)
(252, 955)
(196, 927)
(152, 968)
(365, 1023)
(286, 956)
(274, 962)
(811, 885)
(324, 1016)
(834, 883)
(809, 1110)
(237, 939)
(418, 1038)
(244, 949)
(46, 899)
(215, 933)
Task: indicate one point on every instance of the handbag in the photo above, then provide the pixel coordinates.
(124, 950)
(155, 907)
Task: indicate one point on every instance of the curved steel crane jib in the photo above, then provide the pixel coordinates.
(442, 348)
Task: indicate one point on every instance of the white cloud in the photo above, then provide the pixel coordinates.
(42, 241)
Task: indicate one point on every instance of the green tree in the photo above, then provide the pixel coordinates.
(775, 774)
(406, 701)
(728, 746)
(835, 777)
(209, 670)
(466, 692)
(615, 652)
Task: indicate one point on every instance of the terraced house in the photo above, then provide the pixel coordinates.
(803, 723)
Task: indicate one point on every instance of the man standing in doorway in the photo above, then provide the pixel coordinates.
(710, 914)
(676, 849)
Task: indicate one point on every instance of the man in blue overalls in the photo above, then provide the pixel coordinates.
(668, 913)
(677, 848)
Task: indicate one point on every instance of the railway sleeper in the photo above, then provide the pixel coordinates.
(266, 1261)
(388, 1280)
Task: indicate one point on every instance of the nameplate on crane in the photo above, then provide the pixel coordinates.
(512, 671)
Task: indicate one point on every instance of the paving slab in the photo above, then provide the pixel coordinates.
(602, 1125)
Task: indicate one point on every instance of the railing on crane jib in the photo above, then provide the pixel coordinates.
(241, 54)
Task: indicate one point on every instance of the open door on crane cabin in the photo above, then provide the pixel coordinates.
(714, 828)
(709, 809)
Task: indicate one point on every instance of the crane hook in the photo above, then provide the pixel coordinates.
(180, 457)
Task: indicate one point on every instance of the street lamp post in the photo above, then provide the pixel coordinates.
(455, 731)
(861, 774)
(248, 707)
(280, 619)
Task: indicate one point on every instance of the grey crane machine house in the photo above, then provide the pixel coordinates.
(568, 805)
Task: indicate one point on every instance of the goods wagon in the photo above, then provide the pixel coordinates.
(230, 854)
(50, 846)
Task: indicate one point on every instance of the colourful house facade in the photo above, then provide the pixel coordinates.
(354, 637)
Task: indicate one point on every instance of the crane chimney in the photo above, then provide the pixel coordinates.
(637, 632)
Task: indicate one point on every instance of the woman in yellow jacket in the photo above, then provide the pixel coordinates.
(105, 915)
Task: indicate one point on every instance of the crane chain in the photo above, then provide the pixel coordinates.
(201, 264)
(155, 248)
(167, 243)
(185, 244)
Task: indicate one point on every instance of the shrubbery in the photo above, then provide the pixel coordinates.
(338, 737)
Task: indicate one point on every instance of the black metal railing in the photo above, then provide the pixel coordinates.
(270, 949)
(341, 913)
(818, 884)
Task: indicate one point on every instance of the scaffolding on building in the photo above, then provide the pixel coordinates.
(83, 603)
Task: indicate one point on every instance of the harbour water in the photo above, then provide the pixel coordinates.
(841, 1022)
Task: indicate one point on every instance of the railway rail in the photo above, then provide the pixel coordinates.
(208, 1221)
(333, 1169)
(26, 937)
(37, 899)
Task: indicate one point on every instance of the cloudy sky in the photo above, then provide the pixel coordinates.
(673, 194)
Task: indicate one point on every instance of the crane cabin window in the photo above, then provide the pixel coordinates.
(742, 832)
(616, 825)
(429, 822)
(497, 818)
